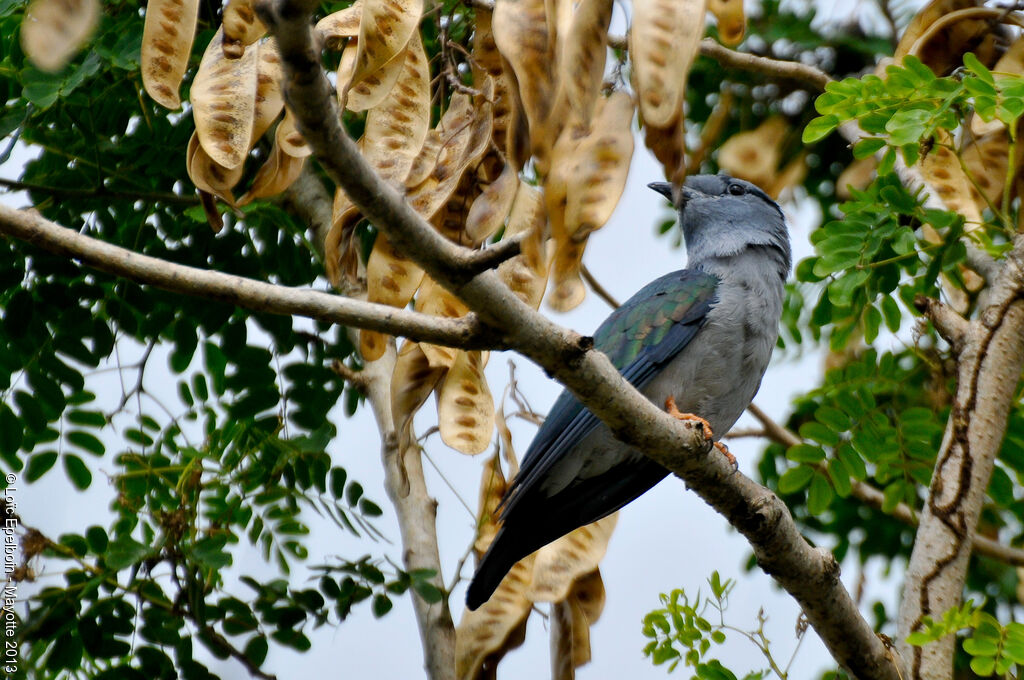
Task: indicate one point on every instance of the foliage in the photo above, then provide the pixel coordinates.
(993, 648)
(681, 632)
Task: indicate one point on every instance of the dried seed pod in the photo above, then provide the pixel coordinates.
(290, 140)
(411, 383)
(668, 145)
(489, 209)
(857, 175)
(241, 28)
(269, 98)
(583, 56)
(595, 179)
(282, 167)
(732, 21)
(571, 620)
(487, 61)
(337, 27)
(529, 215)
(754, 155)
(947, 29)
(560, 563)
(54, 30)
(465, 134)
(167, 39)
(371, 90)
(384, 31)
(340, 250)
(663, 42)
(465, 408)
(600, 167)
(986, 160)
(397, 127)
(521, 33)
(484, 636)
(391, 279)
(434, 299)
(208, 175)
(224, 103)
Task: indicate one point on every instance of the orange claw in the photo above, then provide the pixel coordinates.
(673, 410)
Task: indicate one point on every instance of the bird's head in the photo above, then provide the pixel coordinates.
(722, 216)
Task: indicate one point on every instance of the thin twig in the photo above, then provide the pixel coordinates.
(598, 289)
(101, 192)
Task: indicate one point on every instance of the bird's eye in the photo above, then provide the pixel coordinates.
(737, 189)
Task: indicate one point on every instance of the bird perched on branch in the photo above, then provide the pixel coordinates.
(699, 339)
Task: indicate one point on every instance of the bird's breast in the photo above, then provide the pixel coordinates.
(718, 373)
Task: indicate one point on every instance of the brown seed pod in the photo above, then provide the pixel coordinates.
(224, 103)
(167, 39)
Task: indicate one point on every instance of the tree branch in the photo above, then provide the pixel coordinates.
(810, 575)
(775, 68)
(951, 326)
(465, 333)
(869, 495)
(101, 192)
(988, 371)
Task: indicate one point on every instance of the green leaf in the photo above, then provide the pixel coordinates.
(209, 552)
(977, 68)
(1000, 487)
(87, 441)
(39, 464)
(97, 539)
(256, 650)
(338, 479)
(819, 433)
(381, 605)
(820, 495)
(125, 551)
(805, 453)
(11, 432)
(868, 147)
(428, 591)
(980, 646)
(907, 126)
(77, 472)
(833, 418)
(794, 479)
(819, 128)
(840, 477)
(983, 665)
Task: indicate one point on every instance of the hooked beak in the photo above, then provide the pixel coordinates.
(685, 193)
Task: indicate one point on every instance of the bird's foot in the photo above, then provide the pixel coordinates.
(673, 410)
(728, 455)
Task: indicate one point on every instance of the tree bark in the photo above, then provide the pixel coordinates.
(990, 359)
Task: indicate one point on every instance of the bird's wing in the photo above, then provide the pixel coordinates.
(640, 337)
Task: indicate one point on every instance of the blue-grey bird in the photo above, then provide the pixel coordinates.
(702, 336)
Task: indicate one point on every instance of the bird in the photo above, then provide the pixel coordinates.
(698, 339)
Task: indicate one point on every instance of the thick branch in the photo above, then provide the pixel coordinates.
(809, 574)
(247, 293)
(988, 371)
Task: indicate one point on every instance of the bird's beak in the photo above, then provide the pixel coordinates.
(663, 188)
(666, 189)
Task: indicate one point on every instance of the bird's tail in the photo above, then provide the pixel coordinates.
(508, 547)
